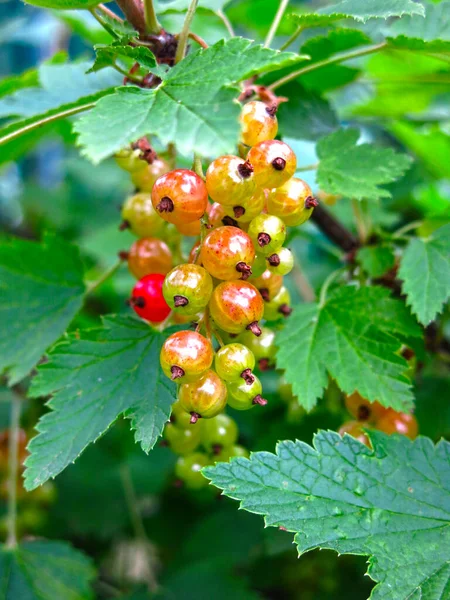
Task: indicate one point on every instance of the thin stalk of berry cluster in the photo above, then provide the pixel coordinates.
(131, 500)
(101, 280)
(292, 39)
(276, 21)
(197, 166)
(13, 465)
(109, 13)
(184, 33)
(337, 58)
(328, 281)
(103, 23)
(200, 41)
(151, 21)
(226, 21)
(409, 227)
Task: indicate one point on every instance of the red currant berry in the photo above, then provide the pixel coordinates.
(227, 253)
(188, 288)
(203, 398)
(267, 233)
(259, 122)
(268, 284)
(188, 469)
(182, 441)
(234, 362)
(149, 255)
(249, 209)
(218, 433)
(398, 422)
(144, 179)
(293, 202)
(281, 262)
(229, 180)
(130, 160)
(273, 163)
(180, 196)
(186, 356)
(147, 298)
(279, 306)
(263, 347)
(237, 305)
(229, 452)
(139, 215)
(356, 430)
(243, 396)
(364, 410)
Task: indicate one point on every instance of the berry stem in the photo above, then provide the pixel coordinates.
(226, 21)
(133, 13)
(200, 41)
(151, 21)
(292, 39)
(276, 21)
(13, 465)
(92, 287)
(197, 166)
(184, 33)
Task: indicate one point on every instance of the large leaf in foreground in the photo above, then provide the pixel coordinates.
(392, 504)
(42, 570)
(425, 271)
(357, 171)
(355, 337)
(41, 286)
(193, 107)
(109, 371)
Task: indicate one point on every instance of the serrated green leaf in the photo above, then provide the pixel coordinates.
(373, 9)
(64, 90)
(357, 170)
(107, 56)
(192, 107)
(42, 289)
(107, 372)
(431, 34)
(391, 504)
(41, 570)
(64, 4)
(354, 337)
(376, 260)
(425, 272)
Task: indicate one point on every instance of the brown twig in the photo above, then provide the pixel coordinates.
(198, 39)
(333, 229)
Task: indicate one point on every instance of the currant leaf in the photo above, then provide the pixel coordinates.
(106, 372)
(390, 503)
(425, 272)
(106, 55)
(44, 282)
(431, 33)
(193, 107)
(41, 570)
(357, 170)
(64, 4)
(376, 260)
(354, 337)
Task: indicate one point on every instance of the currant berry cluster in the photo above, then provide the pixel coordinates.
(234, 275)
(369, 415)
(217, 437)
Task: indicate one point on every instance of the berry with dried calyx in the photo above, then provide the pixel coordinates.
(243, 396)
(234, 362)
(263, 347)
(281, 262)
(293, 202)
(273, 163)
(180, 196)
(130, 160)
(140, 217)
(268, 284)
(186, 356)
(259, 122)
(188, 288)
(228, 253)
(362, 409)
(279, 306)
(237, 305)
(147, 298)
(149, 255)
(267, 233)
(229, 180)
(179, 417)
(203, 398)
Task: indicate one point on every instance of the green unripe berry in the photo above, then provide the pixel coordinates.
(267, 233)
(179, 417)
(278, 307)
(188, 469)
(234, 361)
(242, 396)
(130, 160)
(187, 288)
(281, 262)
(259, 265)
(182, 441)
(263, 347)
(219, 433)
(231, 452)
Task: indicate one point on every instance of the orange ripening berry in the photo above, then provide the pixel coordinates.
(273, 163)
(144, 179)
(398, 422)
(362, 409)
(186, 356)
(236, 306)
(180, 196)
(230, 181)
(227, 253)
(356, 430)
(149, 255)
(259, 122)
(293, 202)
(204, 398)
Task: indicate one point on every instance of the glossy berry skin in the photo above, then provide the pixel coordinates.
(293, 202)
(236, 305)
(249, 209)
(188, 470)
(259, 265)
(227, 253)
(364, 410)
(242, 396)
(179, 417)
(268, 284)
(182, 441)
(190, 229)
(229, 180)
(281, 262)
(258, 122)
(267, 233)
(218, 433)
(203, 398)
(180, 196)
(147, 298)
(229, 452)
(279, 307)
(233, 362)
(186, 356)
(398, 422)
(263, 347)
(356, 430)
(188, 288)
(144, 179)
(149, 255)
(139, 215)
(130, 160)
(273, 163)
(217, 216)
